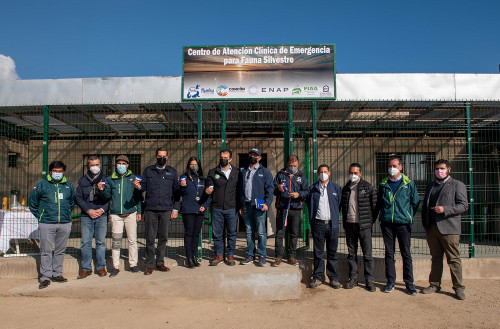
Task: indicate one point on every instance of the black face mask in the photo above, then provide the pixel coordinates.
(161, 161)
(223, 162)
(252, 160)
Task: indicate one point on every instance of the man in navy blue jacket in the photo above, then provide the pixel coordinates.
(256, 184)
(160, 206)
(324, 205)
(94, 220)
(290, 188)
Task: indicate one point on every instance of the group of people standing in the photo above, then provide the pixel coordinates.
(250, 192)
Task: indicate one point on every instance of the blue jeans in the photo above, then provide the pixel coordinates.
(255, 223)
(221, 218)
(91, 227)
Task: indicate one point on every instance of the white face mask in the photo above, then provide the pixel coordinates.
(95, 170)
(323, 176)
(393, 171)
(354, 178)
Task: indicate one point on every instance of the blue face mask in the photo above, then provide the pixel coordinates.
(121, 169)
(57, 176)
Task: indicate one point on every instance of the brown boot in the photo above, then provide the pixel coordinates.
(217, 259)
(102, 272)
(230, 261)
(277, 262)
(84, 274)
(292, 260)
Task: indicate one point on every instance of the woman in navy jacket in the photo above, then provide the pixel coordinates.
(193, 209)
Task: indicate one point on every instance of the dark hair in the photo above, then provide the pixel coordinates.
(291, 157)
(161, 149)
(441, 161)
(357, 165)
(92, 158)
(394, 157)
(200, 170)
(57, 164)
(323, 166)
(227, 151)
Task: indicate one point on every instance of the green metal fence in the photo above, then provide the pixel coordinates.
(335, 132)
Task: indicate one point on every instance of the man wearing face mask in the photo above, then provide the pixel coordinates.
(51, 202)
(397, 202)
(161, 205)
(125, 209)
(324, 205)
(359, 206)
(94, 220)
(222, 183)
(256, 183)
(290, 188)
(444, 202)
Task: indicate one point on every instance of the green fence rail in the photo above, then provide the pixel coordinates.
(333, 132)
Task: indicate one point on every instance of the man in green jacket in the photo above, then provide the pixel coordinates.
(51, 201)
(397, 203)
(125, 209)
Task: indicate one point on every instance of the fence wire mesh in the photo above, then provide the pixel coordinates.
(366, 132)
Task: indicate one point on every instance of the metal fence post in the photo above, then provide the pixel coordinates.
(223, 132)
(315, 142)
(200, 131)
(472, 250)
(45, 158)
(290, 128)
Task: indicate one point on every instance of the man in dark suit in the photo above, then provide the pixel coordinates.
(324, 204)
(445, 200)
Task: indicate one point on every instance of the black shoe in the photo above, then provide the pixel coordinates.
(370, 286)
(351, 284)
(44, 284)
(135, 269)
(196, 262)
(114, 273)
(59, 279)
(189, 263)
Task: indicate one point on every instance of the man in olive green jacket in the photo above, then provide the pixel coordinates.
(125, 209)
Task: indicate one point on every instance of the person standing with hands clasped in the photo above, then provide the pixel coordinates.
(444, 202)
(324, 204)
(291, 189)
(256, 196)
(51, 202)
(161, 205)
(194, 207)
(125, 208)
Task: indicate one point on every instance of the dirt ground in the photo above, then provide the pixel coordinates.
(323, 307)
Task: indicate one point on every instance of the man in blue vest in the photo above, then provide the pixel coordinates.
(324, 205)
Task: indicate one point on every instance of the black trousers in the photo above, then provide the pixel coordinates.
(353, 234)
(157, 224)
(292, 227)
(192, 228)
(402, 232)
(324, 233)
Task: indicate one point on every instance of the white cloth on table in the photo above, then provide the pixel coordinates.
(17, 225)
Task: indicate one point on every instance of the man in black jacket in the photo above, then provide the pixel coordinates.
(222, 184)
(358, 203)
(291, 189)
(160, 206)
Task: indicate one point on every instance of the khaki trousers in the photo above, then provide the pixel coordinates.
(130, 223)
(444, 244)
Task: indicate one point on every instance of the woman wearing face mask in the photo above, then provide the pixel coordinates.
(193, 209)
(125, 209)
(51, 202)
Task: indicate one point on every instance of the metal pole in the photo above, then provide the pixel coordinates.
(290, 128)
(223, 132)
(45, 150)
(315, 142)
(472, 250)
(200, 131)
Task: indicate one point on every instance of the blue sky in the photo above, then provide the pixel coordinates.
(73, 39)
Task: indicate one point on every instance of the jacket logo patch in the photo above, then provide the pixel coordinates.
(261, 175)
(217, 176)
(334, 193)
(406, 186)
(67, 187)
(299, 179)
(362, 192)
